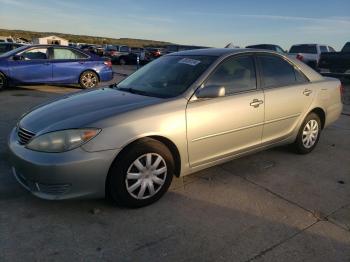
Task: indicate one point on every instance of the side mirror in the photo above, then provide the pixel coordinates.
(211, 92)
(17, 57)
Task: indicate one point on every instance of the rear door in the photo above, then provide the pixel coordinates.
(33, 67)
(67, 64)
(288, 94)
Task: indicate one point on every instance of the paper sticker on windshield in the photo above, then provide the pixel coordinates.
(189, 61)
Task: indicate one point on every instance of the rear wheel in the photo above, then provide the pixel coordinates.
(309, 134)
(142, 174)
(3, 81)
(88, 79)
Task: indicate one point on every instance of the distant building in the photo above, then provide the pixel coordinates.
(50, 40)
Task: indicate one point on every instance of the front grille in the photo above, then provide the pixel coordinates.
(53, 189)
(50, 189)
(24, 136)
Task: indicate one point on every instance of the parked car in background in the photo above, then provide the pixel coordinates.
(309, 53)
(276, 48)
(53, 65)
(6, 39)
(142, 53)
(336, 64)
(155, 52)
(5, 47)
(176, 48)
(175, 116)
(94, 49)
(118, 53)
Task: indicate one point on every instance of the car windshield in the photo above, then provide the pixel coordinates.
(166, 77)
(306, 49)
(14, 51)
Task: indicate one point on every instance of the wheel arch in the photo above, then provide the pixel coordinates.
(166, 141)
(321, 114)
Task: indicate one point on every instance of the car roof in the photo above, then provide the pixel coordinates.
(262, 45)
(10, 43)
(220, 51)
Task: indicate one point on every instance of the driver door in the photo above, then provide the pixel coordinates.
(33, 66)
(223, 126)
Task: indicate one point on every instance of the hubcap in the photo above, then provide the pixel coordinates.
(146, 176)
(89, 80)
(310, 133)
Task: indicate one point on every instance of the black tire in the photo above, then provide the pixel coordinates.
(84, 81)
(301, 147)
(3, 81)
(117, 184)
(122, 61)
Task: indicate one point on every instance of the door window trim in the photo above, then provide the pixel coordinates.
(257, 80)
(296, 68)
(32, 48)
(51, 54)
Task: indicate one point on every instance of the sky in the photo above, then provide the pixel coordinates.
(202, 22)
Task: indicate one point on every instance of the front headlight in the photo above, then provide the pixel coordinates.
(61, 141)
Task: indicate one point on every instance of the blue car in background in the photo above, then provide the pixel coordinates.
(51, 64)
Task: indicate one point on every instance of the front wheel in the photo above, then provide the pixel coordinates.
(309, 134)
(88, 79)
(142, 174)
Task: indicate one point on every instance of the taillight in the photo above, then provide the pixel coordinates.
(108, 63)
(300, 57)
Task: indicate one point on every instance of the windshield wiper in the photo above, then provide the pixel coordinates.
(134, 91)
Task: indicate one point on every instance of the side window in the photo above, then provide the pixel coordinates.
(276, 72)
(64, 53)
(35, 54)
(235, 74)
(3, 49)
(331, 49)
(323, 49)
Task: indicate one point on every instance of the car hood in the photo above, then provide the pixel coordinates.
(83, 109)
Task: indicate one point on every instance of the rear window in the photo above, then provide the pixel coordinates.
(306, 49)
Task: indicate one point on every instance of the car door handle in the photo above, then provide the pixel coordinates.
(47, 63)
(307, 92)
(256, 103)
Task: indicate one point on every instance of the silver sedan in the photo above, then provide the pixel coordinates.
(177, 115)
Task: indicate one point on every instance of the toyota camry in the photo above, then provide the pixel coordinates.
(182, 113)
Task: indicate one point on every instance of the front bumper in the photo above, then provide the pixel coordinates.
(54, 176)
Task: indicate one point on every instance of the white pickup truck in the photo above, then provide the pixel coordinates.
(309, 53)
